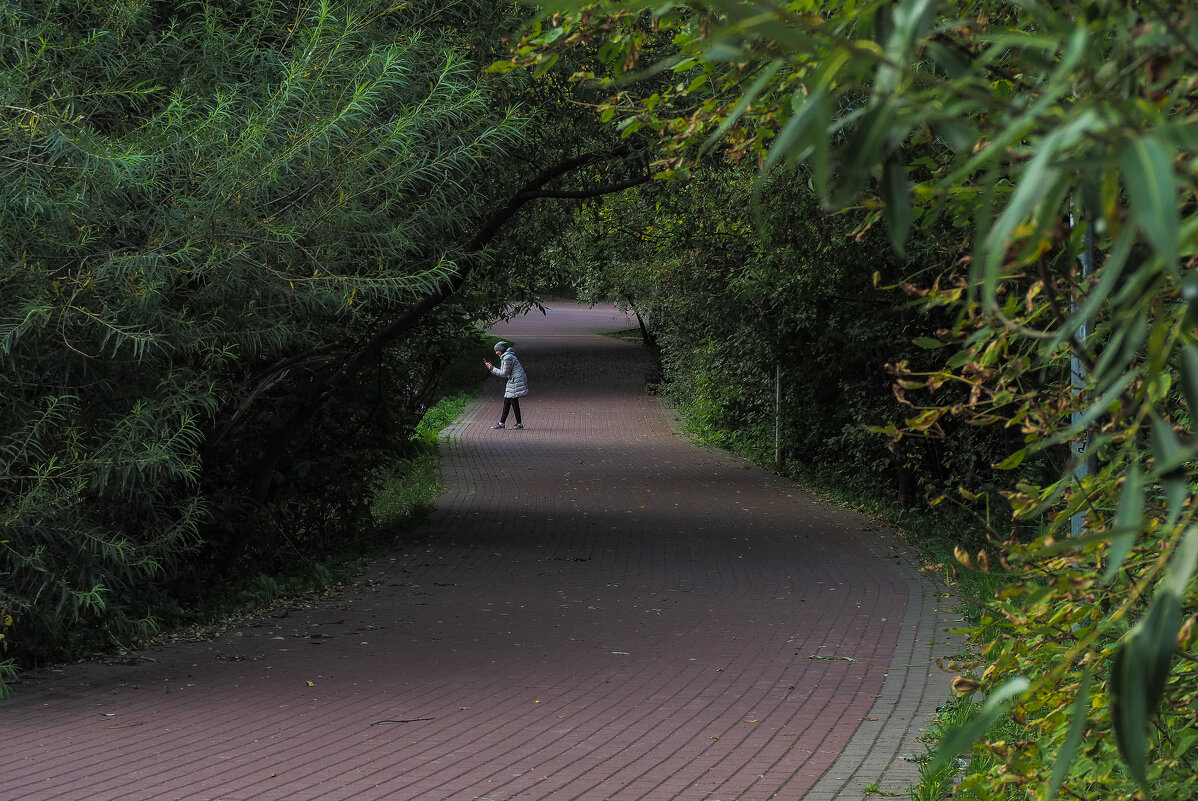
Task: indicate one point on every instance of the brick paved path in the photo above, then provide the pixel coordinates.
(601, 612)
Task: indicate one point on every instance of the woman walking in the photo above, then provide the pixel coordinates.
(517, 381)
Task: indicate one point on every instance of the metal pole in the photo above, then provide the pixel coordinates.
(1083, 463)
(778, 414)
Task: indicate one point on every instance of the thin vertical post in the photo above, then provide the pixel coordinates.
(778, 414)
(1083, 462)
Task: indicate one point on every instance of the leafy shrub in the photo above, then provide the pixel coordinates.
(235, 197)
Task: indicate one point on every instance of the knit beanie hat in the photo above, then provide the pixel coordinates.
(501, 346)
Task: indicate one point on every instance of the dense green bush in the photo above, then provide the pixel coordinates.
(206, 208)
(739, 285)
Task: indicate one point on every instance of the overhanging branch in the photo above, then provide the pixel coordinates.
(589, 193)
(373, 347)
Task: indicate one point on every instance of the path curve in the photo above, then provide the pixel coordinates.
(601, 612)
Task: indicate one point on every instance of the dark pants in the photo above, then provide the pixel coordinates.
(510, 404)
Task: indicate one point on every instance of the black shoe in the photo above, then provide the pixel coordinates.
(497, 425)
(518, 425)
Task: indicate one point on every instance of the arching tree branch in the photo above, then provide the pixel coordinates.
(373, 348)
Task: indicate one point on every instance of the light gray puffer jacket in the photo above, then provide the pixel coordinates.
(511, 369)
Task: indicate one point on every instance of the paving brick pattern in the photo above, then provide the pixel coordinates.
(600, 611)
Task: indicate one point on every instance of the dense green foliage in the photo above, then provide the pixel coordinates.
(1049, 152)
(747, 299)
(230, 237)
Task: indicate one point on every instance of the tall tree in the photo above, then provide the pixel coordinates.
(199, 199)
(240, 241)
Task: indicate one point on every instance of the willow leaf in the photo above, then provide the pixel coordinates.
(1152, 192)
